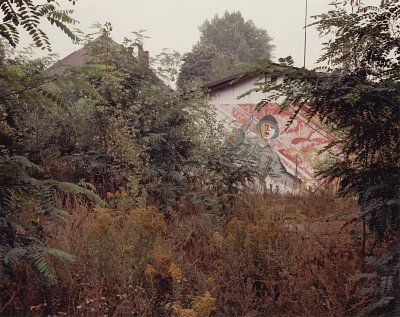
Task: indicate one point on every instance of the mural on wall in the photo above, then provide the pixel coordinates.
(272, 173)
(287, 155)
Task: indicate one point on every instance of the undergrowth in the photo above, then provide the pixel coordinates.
(269, 255)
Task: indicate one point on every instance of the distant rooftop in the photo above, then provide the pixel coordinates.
(77, 58)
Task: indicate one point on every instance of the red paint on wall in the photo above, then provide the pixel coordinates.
(298, 144)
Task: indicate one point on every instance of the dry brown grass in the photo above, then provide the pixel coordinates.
(270, 255)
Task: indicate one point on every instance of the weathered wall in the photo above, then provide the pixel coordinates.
(297, 146)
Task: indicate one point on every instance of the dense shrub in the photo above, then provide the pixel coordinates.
(272, 255)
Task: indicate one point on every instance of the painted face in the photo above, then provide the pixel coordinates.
(267, 131)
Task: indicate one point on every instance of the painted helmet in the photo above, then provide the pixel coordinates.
(271, 121)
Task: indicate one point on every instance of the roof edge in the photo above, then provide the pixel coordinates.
(237, 77)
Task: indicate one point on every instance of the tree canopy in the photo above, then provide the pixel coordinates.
(224, 42)
(27, 15)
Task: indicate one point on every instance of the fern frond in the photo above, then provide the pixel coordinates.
(41, 264)
(47, 198)
(47, 205)
(25, 162)
(15, 221)
(380, 305)
(76, 189)
(57, 213)
(62, 255)
(14, 255)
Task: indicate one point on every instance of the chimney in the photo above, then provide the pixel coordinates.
(346, 62)
(143, 56)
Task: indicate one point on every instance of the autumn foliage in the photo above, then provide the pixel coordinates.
(271, 255)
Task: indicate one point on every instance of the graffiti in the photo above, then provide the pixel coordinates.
(287, 154)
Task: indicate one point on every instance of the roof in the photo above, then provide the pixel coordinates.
(237, 77)
(77, 58)
(227, 82)
(80, 57)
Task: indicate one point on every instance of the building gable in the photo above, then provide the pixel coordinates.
(297, 145)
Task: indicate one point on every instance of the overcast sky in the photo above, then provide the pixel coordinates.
(173, 24)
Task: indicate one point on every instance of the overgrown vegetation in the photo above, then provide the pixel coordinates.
(26, 192)
(111, 127)
(358, 95)
(271, 255)
(153, 217)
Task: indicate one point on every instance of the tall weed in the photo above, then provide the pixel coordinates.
(269, 255)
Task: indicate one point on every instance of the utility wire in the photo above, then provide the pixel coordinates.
(305, 33)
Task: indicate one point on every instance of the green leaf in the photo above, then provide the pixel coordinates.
(14, 255)
(60, 254)
(25, 163)
(76, 189)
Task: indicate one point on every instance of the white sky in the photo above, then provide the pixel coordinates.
(173, 24)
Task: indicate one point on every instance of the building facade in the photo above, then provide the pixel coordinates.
(288, 154)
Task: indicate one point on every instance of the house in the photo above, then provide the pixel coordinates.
(288, 156)
(80, 57)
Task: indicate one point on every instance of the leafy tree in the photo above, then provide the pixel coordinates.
(167, 65)
(232, 34)
(28, 16)
(224, 42)
(358, 95)
(167, 138)
(133, 132)
(26, 192)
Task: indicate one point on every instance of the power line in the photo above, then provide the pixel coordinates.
(305, 33)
